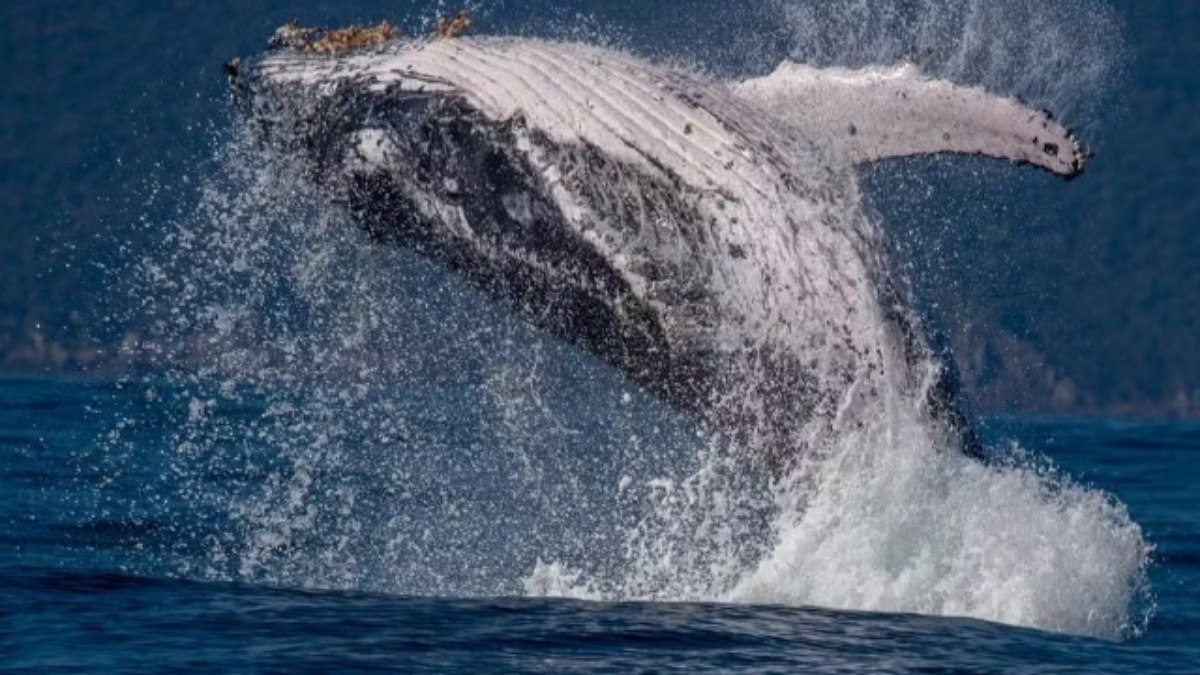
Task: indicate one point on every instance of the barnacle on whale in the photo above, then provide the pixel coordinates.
(452, 27)
(325, 41)
(292, 35)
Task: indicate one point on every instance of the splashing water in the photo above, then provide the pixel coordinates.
(917, 529)
(1067, 56)
(393, 431)
(899, 524)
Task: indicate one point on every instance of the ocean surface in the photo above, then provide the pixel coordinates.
(93, 575)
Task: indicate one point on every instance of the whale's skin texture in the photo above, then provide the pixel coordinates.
(678, 227)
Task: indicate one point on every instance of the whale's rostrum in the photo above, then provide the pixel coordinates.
(706, 238)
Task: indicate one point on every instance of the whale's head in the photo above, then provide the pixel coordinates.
(457, 173)
(401, 147)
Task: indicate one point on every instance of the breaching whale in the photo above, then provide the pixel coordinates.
(704, 237)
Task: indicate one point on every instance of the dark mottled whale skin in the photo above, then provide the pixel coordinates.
(705, 238)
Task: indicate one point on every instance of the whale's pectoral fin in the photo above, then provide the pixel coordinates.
(875, 113)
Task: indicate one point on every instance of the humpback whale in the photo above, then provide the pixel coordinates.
(705, 237)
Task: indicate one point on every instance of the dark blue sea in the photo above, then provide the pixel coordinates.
(95, 575)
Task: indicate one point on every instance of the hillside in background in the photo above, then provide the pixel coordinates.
(1055, 298)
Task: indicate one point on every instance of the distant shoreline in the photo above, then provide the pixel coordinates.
(1025, 386)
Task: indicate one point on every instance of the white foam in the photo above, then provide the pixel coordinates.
(555, 580)
(905, 526)
(894, 524)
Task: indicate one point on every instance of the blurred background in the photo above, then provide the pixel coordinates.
(1079, 298)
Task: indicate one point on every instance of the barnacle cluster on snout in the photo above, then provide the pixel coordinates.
(331, 41)
(452, 27)
(293, 36)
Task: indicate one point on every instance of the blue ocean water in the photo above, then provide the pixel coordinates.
(94, 574)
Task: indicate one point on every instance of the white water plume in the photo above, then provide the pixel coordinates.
(896, 523)
(901, 525)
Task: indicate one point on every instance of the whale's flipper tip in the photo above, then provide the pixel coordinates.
(1080, 158)
(875, 113)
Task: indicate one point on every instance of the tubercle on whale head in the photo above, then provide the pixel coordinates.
(293, 37)
(335, 42)
(319, 40)
(331, 41)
